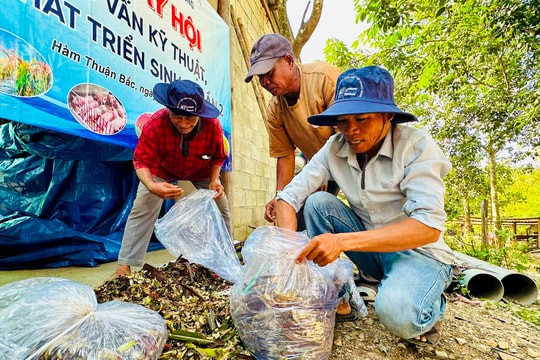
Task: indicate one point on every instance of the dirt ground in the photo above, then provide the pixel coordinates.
(471, 330)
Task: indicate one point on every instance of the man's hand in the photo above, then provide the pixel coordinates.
(322, 250)
(216, 186)
(166, 190)
(270, 211)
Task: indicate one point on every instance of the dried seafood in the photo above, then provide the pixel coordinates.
(194, 302)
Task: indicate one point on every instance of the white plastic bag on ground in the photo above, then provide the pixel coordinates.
(195, 229)
(284, 310)
(54, 318)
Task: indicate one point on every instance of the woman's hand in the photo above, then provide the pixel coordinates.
(166, 190)
(216, 186)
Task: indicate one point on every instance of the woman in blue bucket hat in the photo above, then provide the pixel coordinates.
(391, 225)
(180, 147)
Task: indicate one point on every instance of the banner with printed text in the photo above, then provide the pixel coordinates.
(88, 67)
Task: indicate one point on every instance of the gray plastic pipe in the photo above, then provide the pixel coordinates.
(485, 280)
(483, 285)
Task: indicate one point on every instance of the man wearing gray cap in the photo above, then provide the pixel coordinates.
(299, 91)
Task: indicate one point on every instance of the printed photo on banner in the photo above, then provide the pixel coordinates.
(89, 69)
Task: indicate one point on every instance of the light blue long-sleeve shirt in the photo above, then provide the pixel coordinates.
(404, 179)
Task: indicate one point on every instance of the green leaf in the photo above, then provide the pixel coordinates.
(188, 336)
(440, 11)
(209, 352)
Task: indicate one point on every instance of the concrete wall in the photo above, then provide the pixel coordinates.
(252, 181)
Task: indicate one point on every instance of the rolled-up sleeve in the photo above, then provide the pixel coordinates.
(423, 186)
(315, 174)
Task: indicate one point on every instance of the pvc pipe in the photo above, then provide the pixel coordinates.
(483, 285)
(518, 287)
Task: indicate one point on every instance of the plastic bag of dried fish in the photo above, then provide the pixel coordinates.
(194, 229)
(284, 310)
(54, 318)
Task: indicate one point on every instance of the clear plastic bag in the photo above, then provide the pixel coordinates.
(194, 229)
(54, 318)
(284, 310)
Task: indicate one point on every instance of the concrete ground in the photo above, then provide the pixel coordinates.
(93, 276)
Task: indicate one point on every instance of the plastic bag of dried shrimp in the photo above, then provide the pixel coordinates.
(194, 228)
(53, 318)
(284, 310)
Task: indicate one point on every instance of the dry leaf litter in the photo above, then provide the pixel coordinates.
(195, 305)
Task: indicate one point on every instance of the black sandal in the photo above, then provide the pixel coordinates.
(432, 336)
(353, 315)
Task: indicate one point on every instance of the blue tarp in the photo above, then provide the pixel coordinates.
(64, 200)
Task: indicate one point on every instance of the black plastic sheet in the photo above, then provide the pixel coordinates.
(64, 200)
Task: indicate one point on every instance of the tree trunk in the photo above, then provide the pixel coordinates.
(467, 225)
(484, 218)
(306, 27)
(495, 217)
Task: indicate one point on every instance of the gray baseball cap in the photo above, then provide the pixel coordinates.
(265, 52)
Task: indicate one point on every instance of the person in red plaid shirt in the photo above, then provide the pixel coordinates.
(181, 142)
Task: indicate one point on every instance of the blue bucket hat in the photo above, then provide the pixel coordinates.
(361, 91)
(184, 97)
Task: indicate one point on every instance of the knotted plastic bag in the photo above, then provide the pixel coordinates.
(194, 229)
(284, 310)
(53, 318)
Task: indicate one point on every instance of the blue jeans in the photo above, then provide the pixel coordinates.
(410, 298)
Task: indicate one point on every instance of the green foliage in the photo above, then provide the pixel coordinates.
(522, 196)
(341, 56)
(510, 254)
(531, 315)
(459, 286)
(519, 191)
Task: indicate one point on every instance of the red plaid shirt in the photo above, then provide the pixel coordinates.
(159, 149)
